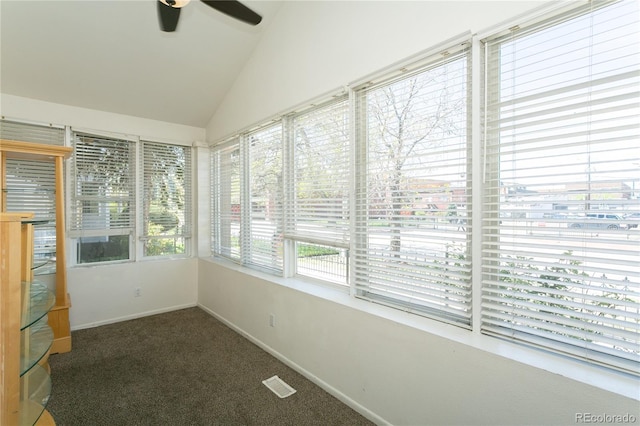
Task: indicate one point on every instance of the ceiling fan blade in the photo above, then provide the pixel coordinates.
(168, 17)
(236, 10)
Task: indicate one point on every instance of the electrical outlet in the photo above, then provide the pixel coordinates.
(272, 320)
(137, 292)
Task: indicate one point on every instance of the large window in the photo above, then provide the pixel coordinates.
(525, 230)
(30, 186)
(413, 199)
(318, 212)
(102, 210)
(226, 197)
(561, 258)
(264, 236)
(166, 198)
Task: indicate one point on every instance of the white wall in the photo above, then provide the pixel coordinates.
(390, 372)
(16, 107)
(314, 47)
(105, 294)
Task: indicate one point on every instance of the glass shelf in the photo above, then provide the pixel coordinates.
(37, 301)
(35, 342)
(36, 388)
(44, 266)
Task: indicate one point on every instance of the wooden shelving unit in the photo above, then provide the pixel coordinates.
(59, 315)
(25, 337)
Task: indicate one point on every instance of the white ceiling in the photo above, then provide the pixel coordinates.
(111, 56)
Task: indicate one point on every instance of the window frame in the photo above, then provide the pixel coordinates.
(186, 212)
(332, 269)
(549, 329)
(430, 297)
(76, 232)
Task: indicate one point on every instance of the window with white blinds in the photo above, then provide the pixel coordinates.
(413, 228)
(318, 214)
(226, 200)
(28, 132)
(264, 237)
(561, 253)
(30, 185)
(166, 198)
(102, 209)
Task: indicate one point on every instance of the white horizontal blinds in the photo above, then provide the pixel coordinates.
(27, 132)
(102, 186)
(413, 198)
(30, 185)
(320, 211)
(264, 239)
(166, 198)
(226, 199)
(561, 267)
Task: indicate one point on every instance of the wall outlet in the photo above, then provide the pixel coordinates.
(137, 292)
(272, 320)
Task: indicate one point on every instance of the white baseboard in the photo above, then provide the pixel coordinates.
(132, 316)
(370, 415)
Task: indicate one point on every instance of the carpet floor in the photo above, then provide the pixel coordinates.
(181, 368)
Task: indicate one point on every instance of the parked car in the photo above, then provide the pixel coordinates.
(599, 221)
(632, 220)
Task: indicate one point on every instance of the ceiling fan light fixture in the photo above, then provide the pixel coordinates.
(176, 4)
(169, 12)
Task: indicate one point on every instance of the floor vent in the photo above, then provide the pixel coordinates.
(279, 387)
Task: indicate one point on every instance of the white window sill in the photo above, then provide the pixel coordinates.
(610, 380)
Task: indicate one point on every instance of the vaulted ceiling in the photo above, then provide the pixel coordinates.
(111, 56)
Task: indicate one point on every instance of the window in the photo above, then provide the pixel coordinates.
(102, 209)
(30, 186)
(318, 215)
(247, 199)
(413, 200)
(376, 192)
(166, 197)
(561, 265)
(226, 199)
(264, 236)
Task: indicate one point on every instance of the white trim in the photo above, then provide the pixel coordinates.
(477, 70)
(105, 134)
(411, 63)
(299, 108)
(547, 10)
(32, 122)
(133, 316)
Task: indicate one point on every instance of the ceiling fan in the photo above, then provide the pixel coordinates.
(169, 12)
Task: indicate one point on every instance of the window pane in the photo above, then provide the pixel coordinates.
(322, 262)
(103, 249)
(322, 172)
(166, 198)
(413, 232)
(30, 186)
(321, 180)
(164, 246)
(102, 208)
(225, 172)
(561, 264)
(265, 236)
